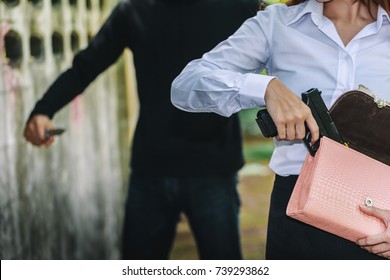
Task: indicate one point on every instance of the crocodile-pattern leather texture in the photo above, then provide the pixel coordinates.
(333, 184)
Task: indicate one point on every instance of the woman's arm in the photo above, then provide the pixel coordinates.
(227, 80)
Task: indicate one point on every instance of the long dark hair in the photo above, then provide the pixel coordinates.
(385, 4)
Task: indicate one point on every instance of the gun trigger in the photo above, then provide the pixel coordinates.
(311, 148)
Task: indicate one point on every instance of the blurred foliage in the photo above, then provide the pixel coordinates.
(258, 151)
(270, 2)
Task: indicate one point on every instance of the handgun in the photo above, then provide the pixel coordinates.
(312, 98)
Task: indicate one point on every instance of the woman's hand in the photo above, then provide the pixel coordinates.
(289, 113)
(34, 131)
(380, 243)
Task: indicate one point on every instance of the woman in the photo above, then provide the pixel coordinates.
(333, 46)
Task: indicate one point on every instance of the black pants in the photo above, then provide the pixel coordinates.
(154, 205)
(289, 239)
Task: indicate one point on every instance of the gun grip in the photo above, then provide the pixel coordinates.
(266, 124)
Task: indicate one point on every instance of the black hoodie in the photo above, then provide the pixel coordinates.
(164, 35)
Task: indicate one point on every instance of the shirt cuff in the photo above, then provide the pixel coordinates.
(252, 90)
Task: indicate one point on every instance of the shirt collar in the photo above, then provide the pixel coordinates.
(316, 9)
(309, 7)
(381, 16)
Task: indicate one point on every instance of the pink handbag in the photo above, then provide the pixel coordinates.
(333, 184)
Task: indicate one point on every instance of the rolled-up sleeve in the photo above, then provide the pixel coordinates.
(227, 79)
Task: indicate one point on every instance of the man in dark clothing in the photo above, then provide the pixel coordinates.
(181, 162)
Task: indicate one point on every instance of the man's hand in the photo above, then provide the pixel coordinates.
(289, 113)
(34, 131)
(380, 243)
